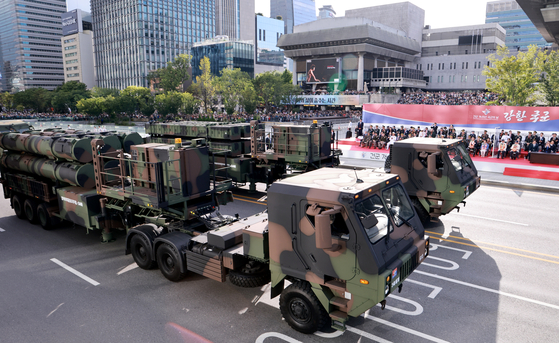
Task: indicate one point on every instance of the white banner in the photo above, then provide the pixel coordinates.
(329, 100)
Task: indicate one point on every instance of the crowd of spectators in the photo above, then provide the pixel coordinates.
(43, 116)
(505, 144)
(447, 98)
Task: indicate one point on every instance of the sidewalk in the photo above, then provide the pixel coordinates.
(489, 178)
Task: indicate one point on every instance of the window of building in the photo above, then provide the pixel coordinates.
(66, 41)
(436, 53)
(71, 47)
(73, 75)
(466, 52)
(71, 54)
(427, 66)
(264, 35)
(439, 66)
(443, 66)
(466, 65)
(448, 52)
(259, 34)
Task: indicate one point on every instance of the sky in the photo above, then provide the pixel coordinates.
(438, 13)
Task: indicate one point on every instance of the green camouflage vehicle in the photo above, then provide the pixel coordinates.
(438, 174)
(344, 240)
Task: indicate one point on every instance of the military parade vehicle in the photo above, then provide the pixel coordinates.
(250, 153)
(438, 174)
(345, 240)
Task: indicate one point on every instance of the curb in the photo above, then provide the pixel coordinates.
(525, 186)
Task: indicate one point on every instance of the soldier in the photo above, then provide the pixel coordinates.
(376, 130)
(374, 140)
(542, 141)
(484, 136)
(382, 140)
(365, 140)
(359, 130)
(528, 141)
(533, 147)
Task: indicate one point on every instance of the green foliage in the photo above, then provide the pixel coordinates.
(514, 78)
(91, 106)
(36, 99)
(230, 86)
(274, 88)
(98, 92)
(206, 85)
(137, 99)
(549, 83)
(6, 100)
(168, 103)
(249, 98)
(190, 104)
(67, 96)
(174, 75)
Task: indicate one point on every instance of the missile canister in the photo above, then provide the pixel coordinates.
(68, 148)
(72, 173)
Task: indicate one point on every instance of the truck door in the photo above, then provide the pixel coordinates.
(419, 170)
(336, 262)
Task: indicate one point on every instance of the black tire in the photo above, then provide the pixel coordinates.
(141, 252)
(253, 274)
(421, 211)
(301, 309)
(169, 262)
(17, 204)
(44, 218)
(30, 210)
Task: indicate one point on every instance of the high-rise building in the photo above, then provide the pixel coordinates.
(30, 49)
(134, 37)
(222, 54)
(293, 12)
(268, 56)
(77, 47)
(521, 32)
(327, 11)
(233, 18)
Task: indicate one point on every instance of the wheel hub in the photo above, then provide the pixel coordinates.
(300, 310)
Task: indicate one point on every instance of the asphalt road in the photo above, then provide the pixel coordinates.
(492, 277)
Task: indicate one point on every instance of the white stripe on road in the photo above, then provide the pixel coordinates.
(128, 268)
(467, 253)
(403, 328)
(418, 308)
(433, 294)
(57, 307)
(495, 220)
(471, 285)
(453, 265)
(2, 230)
(367, 335)
(75, 272)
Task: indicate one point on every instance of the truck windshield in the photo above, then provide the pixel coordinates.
(398, 204)
(459, 158)
(373, 216)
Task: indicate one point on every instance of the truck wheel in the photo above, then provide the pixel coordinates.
(421, 211)
(17, 204)
(169, 263)
(44, 217)
(30, 210)
(301, 309)
(141, 252)
(253, 274)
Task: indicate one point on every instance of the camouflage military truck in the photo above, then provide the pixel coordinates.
(249, 153)
(344, 240)
(438, 174)
(14, 126)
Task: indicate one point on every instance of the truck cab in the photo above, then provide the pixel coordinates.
(344, 239)
(438, 174)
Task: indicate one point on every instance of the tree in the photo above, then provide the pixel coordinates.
(168, 103)
(91, 106)
(514, 78)
(98, 92)
(64, 98)
(205, 84)
(37, 99)
(249, 98)
(230, 86)
(174, 74)
(190, 104)
(137, 99)
(549, 83)
(6, 100)
(271, 88)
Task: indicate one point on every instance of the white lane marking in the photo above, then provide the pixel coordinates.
(265, 335)
(488, 289)
(75, 272)
(57, 307)
(453, 264)
(264, 198)
(128, 268)
(433, 294)
(2, 230)
(330, 335)
(243, 311)
(367, 335)
(418, 308)
(403, 328)
(467, 253)
(495, 220)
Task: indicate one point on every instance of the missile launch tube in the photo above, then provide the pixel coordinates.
(74, 174)
(68, 148)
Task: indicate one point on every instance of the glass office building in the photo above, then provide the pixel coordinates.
(521, 33)
(134, 37)
(30, 47)
(268, 31)
(293, 12)
(225, 54)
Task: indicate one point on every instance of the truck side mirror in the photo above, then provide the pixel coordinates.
(323, 233)
(432, 165)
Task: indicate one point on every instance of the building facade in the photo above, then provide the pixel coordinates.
(268, 56)
(326, 11)
(233, 18)
(222, 54)
(77, 47)
(134, 37)
(453, 58)
(293, 12)
(30, 48)
(521, 32)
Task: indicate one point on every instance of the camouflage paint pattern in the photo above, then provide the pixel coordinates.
(449, 186)
(71, 173)
(14, 126)
(354, 264)
(79, 206)
(71, 149)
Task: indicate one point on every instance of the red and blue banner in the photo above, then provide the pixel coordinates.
(514, 118)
